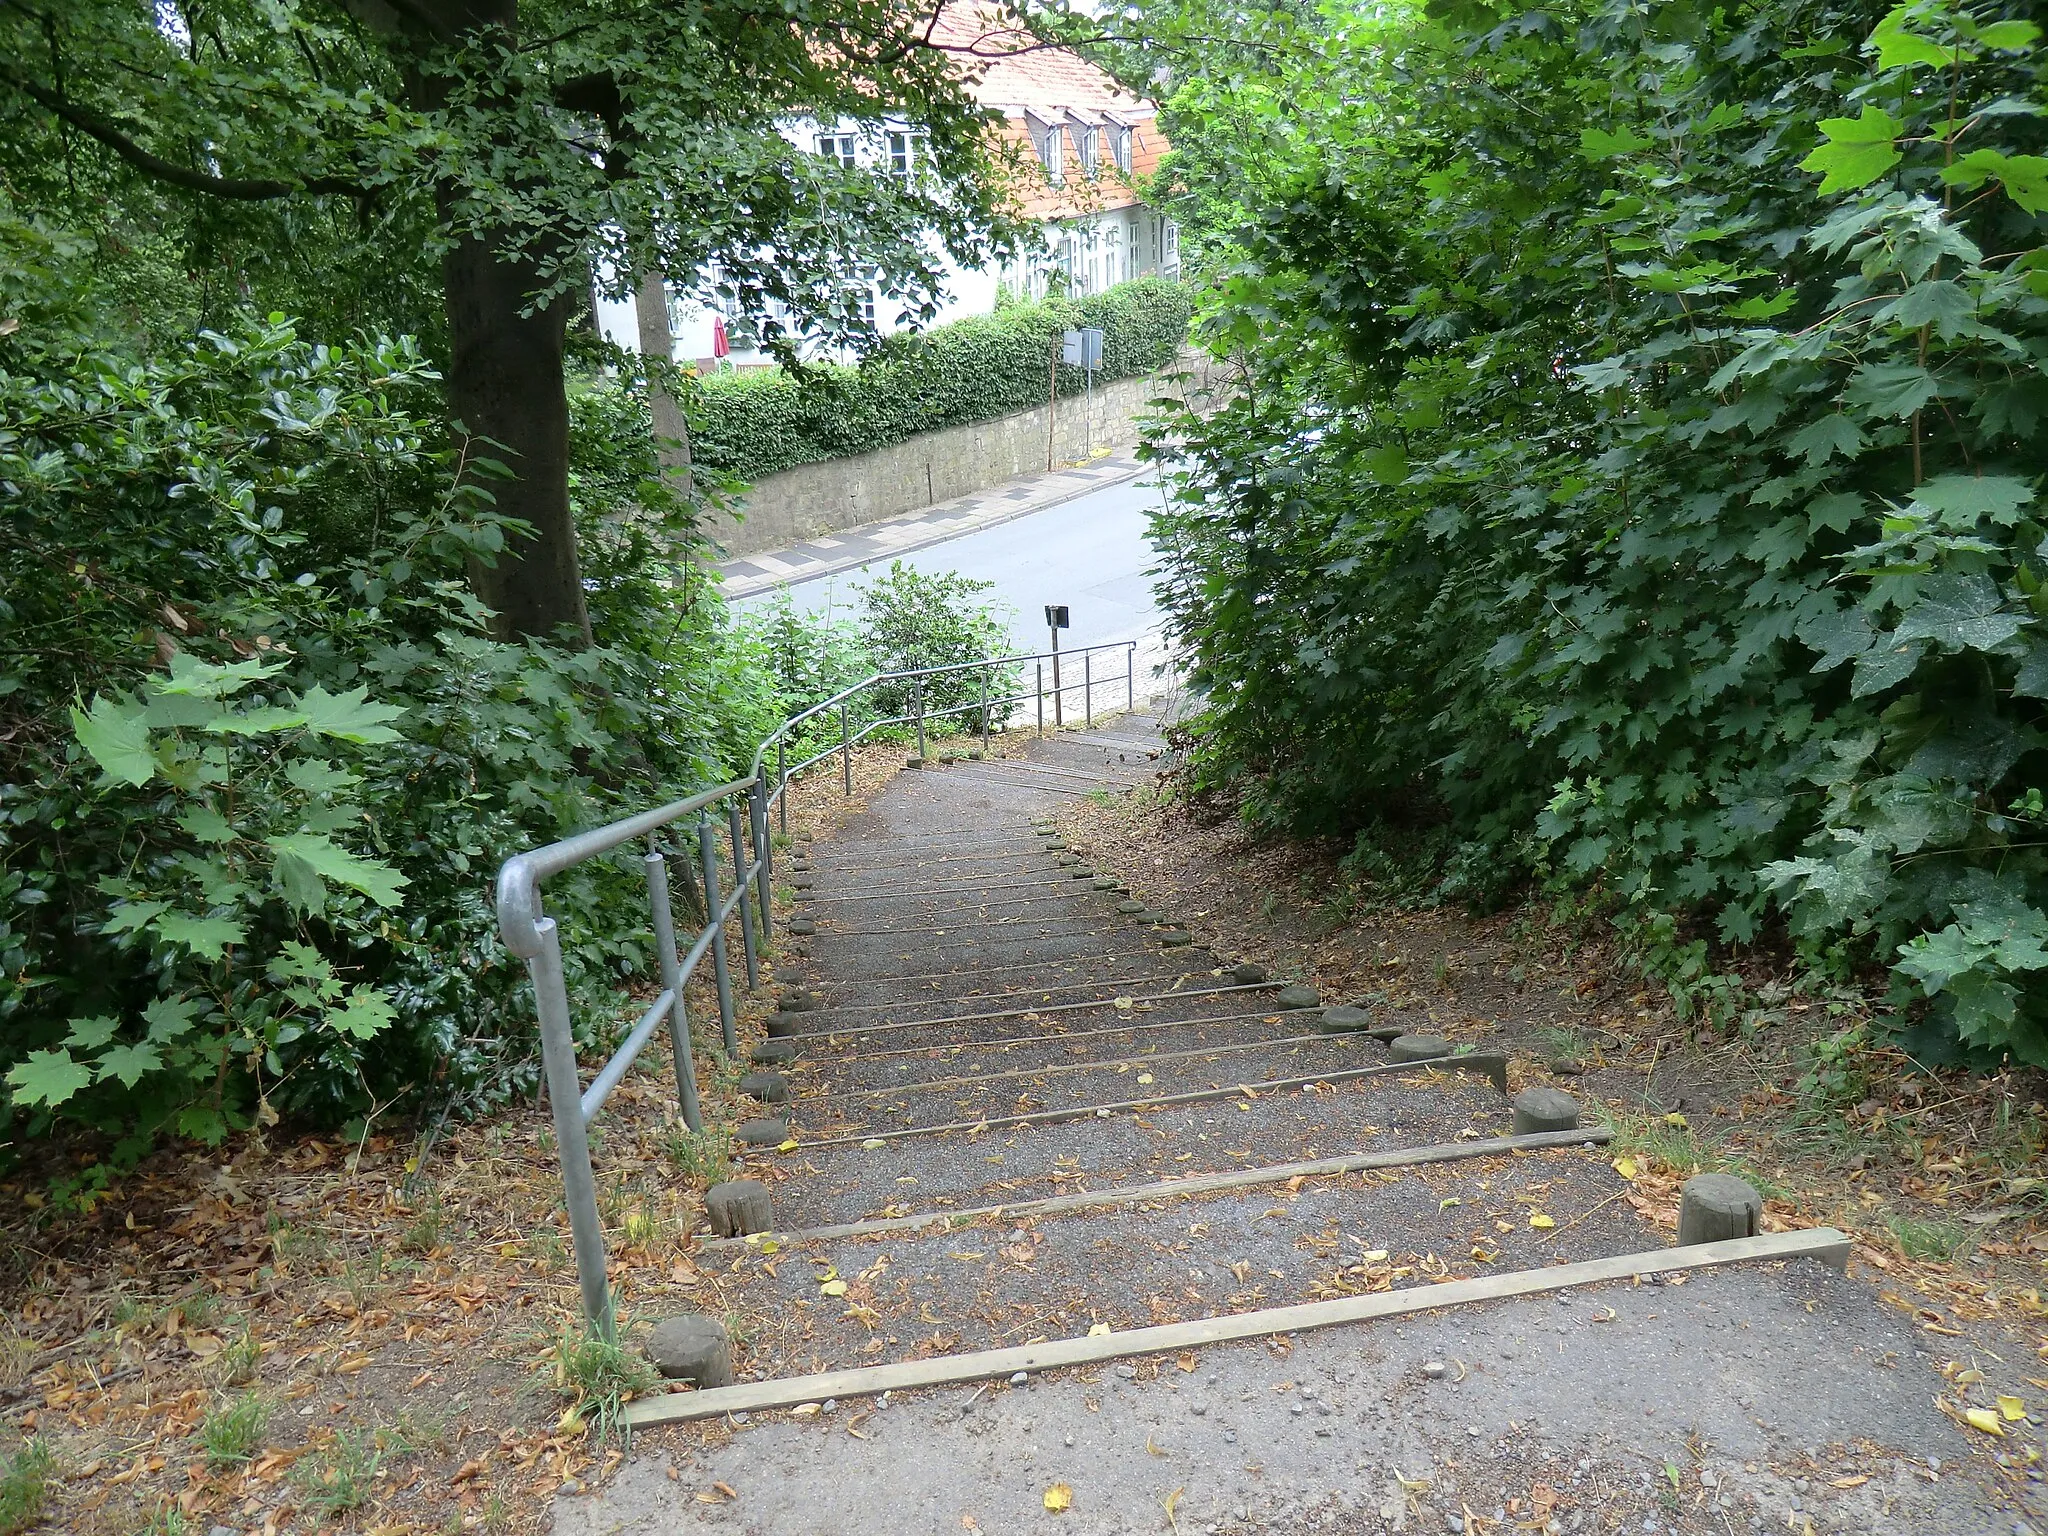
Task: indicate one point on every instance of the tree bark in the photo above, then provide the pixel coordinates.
(671, 432)
(505, 384)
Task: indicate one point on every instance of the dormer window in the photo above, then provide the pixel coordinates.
(1120, 148)
(906, 153)
(1091, 150)
(1049, 139)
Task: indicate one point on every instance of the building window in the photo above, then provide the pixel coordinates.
(1172, 242)
(837, 146)
(1091, 151)
(906, 153)
(1049, 151)
(1120, 148)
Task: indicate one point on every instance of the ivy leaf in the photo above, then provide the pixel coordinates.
(90, 1034)
(1828, 437)
(1941, 303)
(203, 1123)
(2024, 177)
(1891, 389)
(212, 680)
(206, 824)
(327, 858)
(2031, 681)
(267, 720)
(47, 1077)
(1961, 613)
(206, 937)
(1897, 48)
(1859, 150)
(1960, 500)
(1597, 144)
(117, 738)
(170, 1017)
(1764, 306)
(347, 716)
(366, 1013)
(1887, 665)
(129, 1063)
(2009, 36)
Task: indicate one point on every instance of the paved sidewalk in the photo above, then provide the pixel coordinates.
(855, 547)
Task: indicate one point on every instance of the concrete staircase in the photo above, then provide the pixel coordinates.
(1061, 1174)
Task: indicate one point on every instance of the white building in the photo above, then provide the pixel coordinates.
(1085, 145)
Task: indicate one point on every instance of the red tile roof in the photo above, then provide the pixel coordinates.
(1012, 72)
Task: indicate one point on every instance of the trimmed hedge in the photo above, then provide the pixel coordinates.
(753, 424)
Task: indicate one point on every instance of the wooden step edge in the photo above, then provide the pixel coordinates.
(1190, 1184)
(1492, 1065)
(1823, 1243)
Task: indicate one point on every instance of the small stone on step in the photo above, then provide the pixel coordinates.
(1417, 1048)
(763, 1133)
(1295, 995)
(768, 1087)
(692, 1348)
(1344, 1020)
(1435, 1370)
(1248, 974)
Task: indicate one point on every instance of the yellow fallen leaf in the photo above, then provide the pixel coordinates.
(834, 1287)
(788, 1146)
(1540, 1222)
(1675, 1118)
(570, 1423)
(1124, 1002)
(1447, 1204)
(1099, 1331)
(2013, 1409)
(1970, 1378)
(1059, 1497)
(1625, 1166)
(1984, 1419)
(508, 1250)
(1144, 1078)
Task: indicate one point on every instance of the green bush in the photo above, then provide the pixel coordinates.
(903, 620)
(1645, 487)
(259, 755)
(755, 423)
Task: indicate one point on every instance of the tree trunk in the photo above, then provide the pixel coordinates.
(671, 433)
(505, 384)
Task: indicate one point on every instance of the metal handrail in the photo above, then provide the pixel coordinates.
(532, 935)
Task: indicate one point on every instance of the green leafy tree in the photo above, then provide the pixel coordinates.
(515, 145)
(1636, 462)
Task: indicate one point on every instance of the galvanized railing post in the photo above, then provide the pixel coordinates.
(1041, 700)
(764, 852)
(1088, 687)
(917, 692)
(845, 754)
(739, 875)
(984, 711)
(656, 864)
(1130, 675)
(572, 1141)
(782, 780)
(707, 850)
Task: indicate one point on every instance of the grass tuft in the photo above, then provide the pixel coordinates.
(598, 1375)
(25, 1486)
(232, 1432)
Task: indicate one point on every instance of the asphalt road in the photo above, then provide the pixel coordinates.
(1089, 553)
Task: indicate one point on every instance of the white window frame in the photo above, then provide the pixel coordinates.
(906, 152)
(1051, 151)
(838, 146)
(1120, 148)
(1091, 150)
